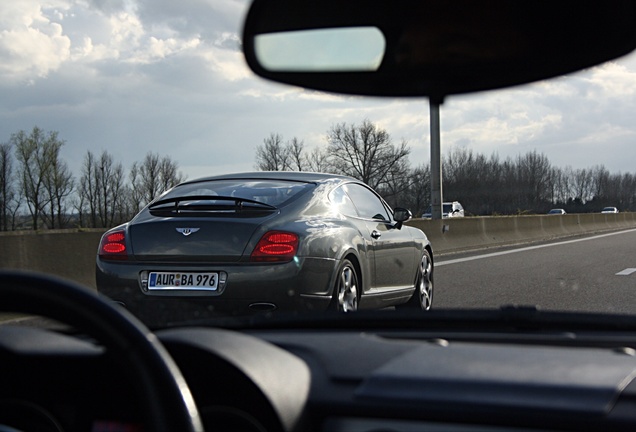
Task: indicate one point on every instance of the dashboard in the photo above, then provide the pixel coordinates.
(365, 379)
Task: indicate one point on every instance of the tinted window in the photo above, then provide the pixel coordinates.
(272, 192)
(368, 204)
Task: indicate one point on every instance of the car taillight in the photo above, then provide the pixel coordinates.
(113, 246)
(276, 246)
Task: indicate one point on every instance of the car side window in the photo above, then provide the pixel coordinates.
(367, 203)
(342, 202)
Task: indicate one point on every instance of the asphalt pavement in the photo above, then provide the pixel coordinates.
(594, 274)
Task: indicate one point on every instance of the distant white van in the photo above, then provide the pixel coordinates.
(449, 210)
(556, 211)
(609, 210)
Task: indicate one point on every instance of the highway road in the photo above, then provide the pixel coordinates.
(596, 273)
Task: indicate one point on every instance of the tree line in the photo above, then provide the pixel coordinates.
(36, 185)
(38, 191)
(485, 185)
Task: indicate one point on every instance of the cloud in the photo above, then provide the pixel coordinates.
(39, 38)
(128, 76)
(31, 43)
(612, 80)
(107, 6)
(194, 17)
(567, 118)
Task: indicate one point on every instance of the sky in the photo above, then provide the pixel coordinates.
(133, 76)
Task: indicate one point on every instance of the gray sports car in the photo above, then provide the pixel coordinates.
(265, 241)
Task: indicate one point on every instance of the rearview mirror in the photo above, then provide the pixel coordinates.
(431, 48)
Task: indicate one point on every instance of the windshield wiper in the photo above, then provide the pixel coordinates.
(212, 204)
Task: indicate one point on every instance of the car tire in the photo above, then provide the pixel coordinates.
(347, 288)
(423, 295)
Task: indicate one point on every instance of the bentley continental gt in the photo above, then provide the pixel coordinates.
(263, 242)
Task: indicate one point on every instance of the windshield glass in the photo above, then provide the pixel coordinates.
(106, 107)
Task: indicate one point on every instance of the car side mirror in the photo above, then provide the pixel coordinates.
(401, 215)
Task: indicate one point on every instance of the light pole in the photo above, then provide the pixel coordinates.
(436, 162)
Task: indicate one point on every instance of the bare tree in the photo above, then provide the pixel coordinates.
(7, 187)
(101, 190)
(58, 186)
(87, 192)
(419, 193)
(169, 174)
(135, 194)
(583, 184)
(627, 191)
(295, 155)
(397, 183)
(152, 177)
(36, 153)
(272, 155)
(318, 161)
(600, 180)
(534, 176)
(112, 191)
(365, 152)
(561, 185)
(474, 180)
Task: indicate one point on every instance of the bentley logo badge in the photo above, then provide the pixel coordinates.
(187, 231)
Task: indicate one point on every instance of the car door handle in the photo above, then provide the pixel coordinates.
(376, 234)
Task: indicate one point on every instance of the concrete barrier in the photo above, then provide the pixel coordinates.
(462, 234)
(70, 254)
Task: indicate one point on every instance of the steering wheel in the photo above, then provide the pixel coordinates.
(166, 399)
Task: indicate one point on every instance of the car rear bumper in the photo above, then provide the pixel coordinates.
(302, 284)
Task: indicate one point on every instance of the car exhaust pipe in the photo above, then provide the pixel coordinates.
(262, 307)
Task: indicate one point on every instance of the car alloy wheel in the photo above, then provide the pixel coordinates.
(347, 288)
(425, 282)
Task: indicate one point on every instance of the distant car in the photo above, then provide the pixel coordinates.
(449, 210)
(264, 241)
(609, 210)
(556, 211)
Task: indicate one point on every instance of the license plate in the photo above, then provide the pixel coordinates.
(183, 280)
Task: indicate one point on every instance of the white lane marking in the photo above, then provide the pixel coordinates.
(626, 272)
(528, 248)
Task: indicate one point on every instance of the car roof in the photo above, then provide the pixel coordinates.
(300, 176)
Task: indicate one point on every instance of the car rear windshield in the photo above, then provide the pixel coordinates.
(271, 192)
